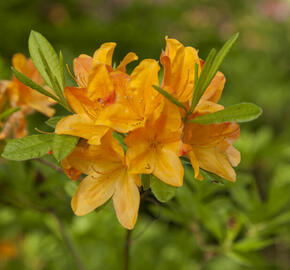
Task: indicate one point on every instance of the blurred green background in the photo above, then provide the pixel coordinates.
(245, 225)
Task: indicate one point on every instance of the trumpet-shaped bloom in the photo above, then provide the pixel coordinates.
(108, 98)
(179, 69)
(107, 177)
(155, 147)
(15, 94)
(22, 95)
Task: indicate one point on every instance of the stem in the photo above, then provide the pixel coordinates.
(127, 250)
(69, 243)
(49, 164)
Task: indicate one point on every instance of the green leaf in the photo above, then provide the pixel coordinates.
(8, 112)
(29, 147)
(220, 57)
(145, 180)
(212, 177)
(120, 138)
(252, 244)
(169, 97)
(209, 70)
(63, 145)
(199, 86)
(39, 46)
(62, 68)
(162, 191)
(28, 82)
(51, 122)
(242, 112)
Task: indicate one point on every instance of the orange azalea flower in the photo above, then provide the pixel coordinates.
(22, 95)
(155, 147)
(17, 94)
(179, 69)
(211, 148)
(108, 98)
(211, 145)
(107, 176)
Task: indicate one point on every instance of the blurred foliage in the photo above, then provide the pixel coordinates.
(207, 225)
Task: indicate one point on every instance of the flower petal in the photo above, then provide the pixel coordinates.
(82, 68)
(168, 168)
(212, 160)
(80, 125)
(127, 199)
(105, 53)
(130, 57)
(121, 122)
(92, 192)
(100, 84)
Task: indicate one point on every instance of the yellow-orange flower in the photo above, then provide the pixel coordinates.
(211, 148)
(15, 94)
(22, 95)
(108, 98)
(179, 69)
(155, 147)
(107, 176)
(211, 145)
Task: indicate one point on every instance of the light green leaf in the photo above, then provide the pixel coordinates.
(145, 180)
(169, 97)
(62, 68)
(242, 112)
(8, 112)
(252, 244)
(28, 82)
(162, 191)
(63, 145)
(51, 122)
(39, 46)
(29, 147)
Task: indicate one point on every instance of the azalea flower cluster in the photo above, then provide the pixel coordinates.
(18, 100)
(108, 100)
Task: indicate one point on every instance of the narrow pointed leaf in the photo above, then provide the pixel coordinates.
(162, 191)
(63, 145)
(221, 56)
(62, 68)
(8, 112)
(200, 84)
(29, 147)
(242, 112)
(28, 82)
(169, 97)
(51, 122)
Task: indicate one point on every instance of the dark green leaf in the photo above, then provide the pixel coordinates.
(162, 191)
(242, 112)
(220, 57)
(28, 82)
(145, 179)
(53, 121)
(63, 145)
(169, 97)
(120, 138)
(199, 86)
(29, 147)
